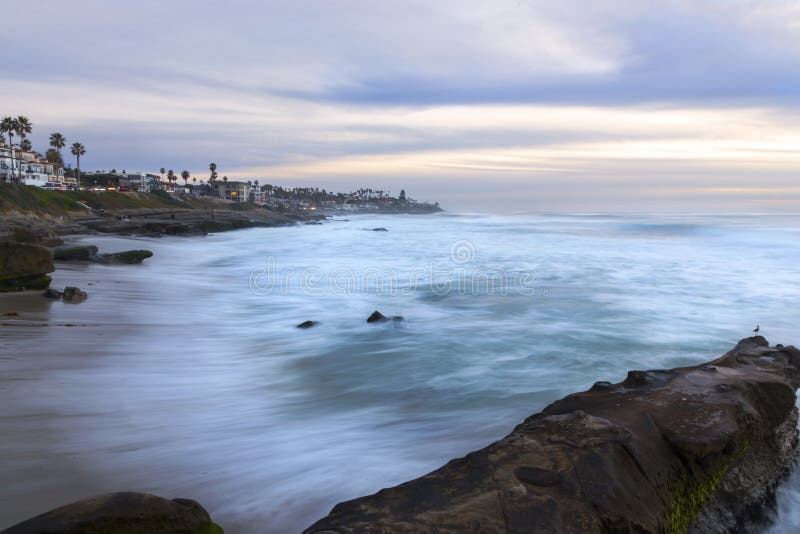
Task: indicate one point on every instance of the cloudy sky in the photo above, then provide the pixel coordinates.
(505, 106)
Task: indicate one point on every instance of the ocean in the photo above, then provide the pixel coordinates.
(187, 377)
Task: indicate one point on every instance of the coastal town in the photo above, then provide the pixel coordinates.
(21, 164)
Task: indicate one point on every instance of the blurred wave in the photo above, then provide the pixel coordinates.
(186, 382)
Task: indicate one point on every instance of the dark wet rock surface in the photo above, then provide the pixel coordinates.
(122, 513)
(24, 266)
(129, 257)
(75, 253)
(378, 317)
(74, 295)
(307, 324)
(698, 449)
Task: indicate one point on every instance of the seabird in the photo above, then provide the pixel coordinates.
(756, 329)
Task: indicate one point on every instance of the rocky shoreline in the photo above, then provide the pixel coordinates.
(695, 449)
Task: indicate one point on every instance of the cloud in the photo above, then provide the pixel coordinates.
(573, 101)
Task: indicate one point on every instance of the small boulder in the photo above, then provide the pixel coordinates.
(76, 253)
(118, 513)
(378, 317)
(307, 324)
(74, 295)
(52, 294)
(129, 257)
(381, 229)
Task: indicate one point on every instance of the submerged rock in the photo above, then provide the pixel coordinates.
(122, 513)
(381, 229)
(698, 449)
(75, 253)
(307, 324)
(53, 294)
(378, 317)
(24, 266)
(129, 257)
(74, 295)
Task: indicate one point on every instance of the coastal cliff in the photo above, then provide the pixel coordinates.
(694, 449)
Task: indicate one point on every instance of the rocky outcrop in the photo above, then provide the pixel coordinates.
(183, 222)
(75, 253)
(90, 253)
(695, 449)
(307, 324)
(24, 266)
(122, 513)
(129, 257)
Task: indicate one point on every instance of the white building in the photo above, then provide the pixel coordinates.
(31, 169)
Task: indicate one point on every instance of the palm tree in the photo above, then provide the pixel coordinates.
(224, 178)
(185, 176)
(213, 168)
(57, 141)
(9, 126)
(24, 127)
(78, 150)
(25, 145)
(170, 176)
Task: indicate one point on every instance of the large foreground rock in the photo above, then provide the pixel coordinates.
(697, 449)
(122, 513)
(24, 266)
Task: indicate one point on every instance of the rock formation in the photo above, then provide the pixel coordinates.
(122, 513)
(90, 253)
(129, 257)
(74, 295)
(378, 317)
(694, 449)
(24, 266)
(75, 253)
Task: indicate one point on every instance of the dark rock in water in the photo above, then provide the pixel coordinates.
(380, 229)
(24, 266)
(378, 317)
(26, 283)
(11, 314)
(76, 253)
(53, 294)
(307, 324)
(74, 295)
(693, 449)
(122, 513)
(129, 257)
(313, 222)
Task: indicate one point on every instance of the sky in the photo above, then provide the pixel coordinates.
(505, 106)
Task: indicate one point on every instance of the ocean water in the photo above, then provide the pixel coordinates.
(186, 376)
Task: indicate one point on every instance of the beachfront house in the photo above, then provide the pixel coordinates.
(236, 191)
(140, 181)
(32, 169)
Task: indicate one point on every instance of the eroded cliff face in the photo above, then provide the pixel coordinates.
(690, 449)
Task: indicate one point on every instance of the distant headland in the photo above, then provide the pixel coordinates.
(20, 164)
